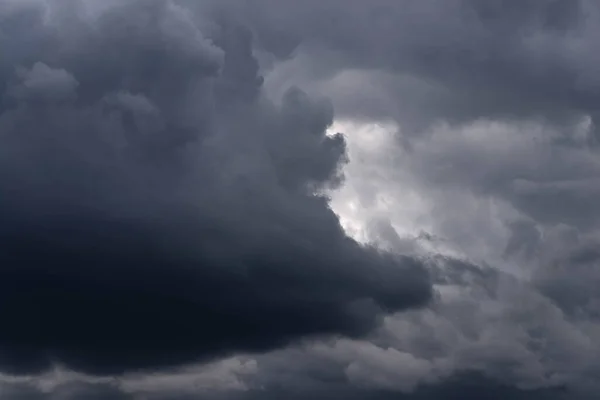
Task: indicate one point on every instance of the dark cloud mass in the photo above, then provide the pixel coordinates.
(178, 221)
(156, 208)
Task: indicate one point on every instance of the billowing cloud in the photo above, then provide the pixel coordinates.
(176, 205)
(156, 208)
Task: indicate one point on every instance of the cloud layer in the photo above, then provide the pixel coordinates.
(175, 204)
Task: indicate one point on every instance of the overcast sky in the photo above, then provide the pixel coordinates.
(285, 199)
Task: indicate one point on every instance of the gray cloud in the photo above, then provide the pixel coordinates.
(157, 209)
(466, 386)
(449, 60)
(470, 151)
(491, 149)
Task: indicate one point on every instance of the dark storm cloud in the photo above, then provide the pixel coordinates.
(469, 59)
(495, 103)
(529, 66)
(157, 201)
(156, 209)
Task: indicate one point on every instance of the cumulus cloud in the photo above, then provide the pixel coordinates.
(180, 217)
(157, 209)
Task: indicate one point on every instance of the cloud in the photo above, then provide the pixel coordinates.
(469, 385)
(441, 60)
(157, 209)
(514, 298)
(173, 192)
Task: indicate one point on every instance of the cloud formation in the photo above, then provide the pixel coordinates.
(173, 193)
(156, 208)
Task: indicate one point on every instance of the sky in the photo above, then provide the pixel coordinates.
(281, 199)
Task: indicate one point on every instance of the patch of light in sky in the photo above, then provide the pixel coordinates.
(378, 186)
(365, 143)
(375, 188)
